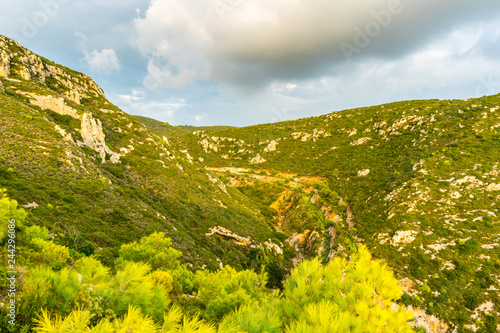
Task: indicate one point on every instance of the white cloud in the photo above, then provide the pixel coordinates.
(252, 43)
(139, 103)
(102, 62)
(284, 87)
(135, 96)
(199, 117)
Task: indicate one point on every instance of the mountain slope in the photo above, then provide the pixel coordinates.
(165, 129)
(97, 178)
(422, 182)
(416, 181)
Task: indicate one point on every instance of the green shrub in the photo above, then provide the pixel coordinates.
(155, 249)
(226, 290)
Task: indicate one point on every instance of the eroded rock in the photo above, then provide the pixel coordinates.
(94, 138)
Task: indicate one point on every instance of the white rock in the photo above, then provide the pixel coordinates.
(363, 173)
(403, 237)
(360, 141)
(94, 138)
(66, 136)
(55, 104)
(493, 187)
(271, 146)
(383, 238)
(31, 205)
(257, 160)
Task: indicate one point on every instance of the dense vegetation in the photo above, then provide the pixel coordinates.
(93, 205)
(149, 290)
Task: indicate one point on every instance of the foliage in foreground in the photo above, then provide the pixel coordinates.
(354, 295)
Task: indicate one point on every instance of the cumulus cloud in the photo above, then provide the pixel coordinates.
(253, 43)
(102, 62)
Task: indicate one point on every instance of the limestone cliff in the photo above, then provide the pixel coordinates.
(18, 62)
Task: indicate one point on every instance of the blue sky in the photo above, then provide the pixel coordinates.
(235, 62)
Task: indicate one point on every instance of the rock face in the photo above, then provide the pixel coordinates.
(223, 232)
(91, 128)
(18, 61)
(4, 61)
(94, 138)
(73, 96)
(55, 104)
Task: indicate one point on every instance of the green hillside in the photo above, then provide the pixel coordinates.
(165, 129)
(421, 180)
(97, 178)
(106, 227)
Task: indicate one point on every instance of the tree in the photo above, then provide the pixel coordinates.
(9, 213)
(155, 249)
(344, 296)
(227, 289)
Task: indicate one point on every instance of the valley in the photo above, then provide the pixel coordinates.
(414, 183)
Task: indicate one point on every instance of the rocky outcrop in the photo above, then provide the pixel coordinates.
(360, 141)
(124, 151)
(257, 160)
(315, 135)
(493, 187)
(208, 145)
(30, 66)
(363, 173)
(4, 61)
(94, 138)
(55, 104)
(31, 205)
(66, 136)
(302, 243)
(225, 233)
(243, 241)
(217, 182)
(403, 237)
(400, 237)
(271, 146)
(274, 247)
(430, 323)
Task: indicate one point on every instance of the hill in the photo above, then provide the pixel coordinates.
(97, 178)
(420, 179)
(165, 129)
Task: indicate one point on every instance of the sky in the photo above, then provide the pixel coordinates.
(240, 63)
